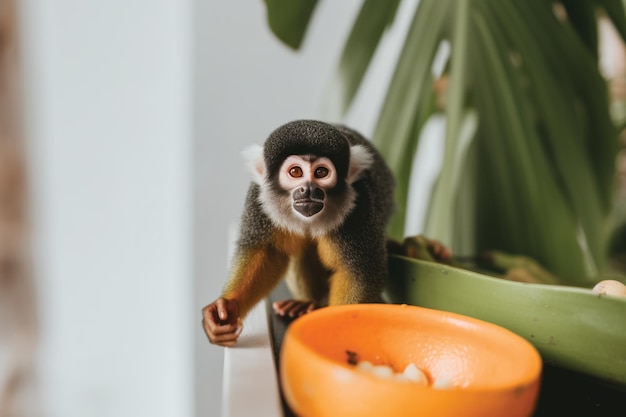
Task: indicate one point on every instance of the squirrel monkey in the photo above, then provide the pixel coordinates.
(316, 213)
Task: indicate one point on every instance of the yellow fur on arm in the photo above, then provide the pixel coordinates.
(254, 274)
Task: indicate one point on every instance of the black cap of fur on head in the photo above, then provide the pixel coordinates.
(307, 137)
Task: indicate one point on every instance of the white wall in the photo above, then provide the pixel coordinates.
(110, 125)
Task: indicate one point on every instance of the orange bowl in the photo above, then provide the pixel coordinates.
(489, 370)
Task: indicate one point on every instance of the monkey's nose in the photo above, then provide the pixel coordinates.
(309, 192)
(302, 193)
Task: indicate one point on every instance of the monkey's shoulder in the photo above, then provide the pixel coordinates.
(256, 227)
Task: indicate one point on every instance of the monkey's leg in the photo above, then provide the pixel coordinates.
(359, 279)
(255, 274)
(307, 280)
(347, 289)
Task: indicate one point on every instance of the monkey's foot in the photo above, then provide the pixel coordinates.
(293, 308)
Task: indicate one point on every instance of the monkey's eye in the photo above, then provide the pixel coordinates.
(321, 172)
(295, 172)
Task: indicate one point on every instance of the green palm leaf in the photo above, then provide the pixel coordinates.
(375, 16)
(408, 103)
(289, 19)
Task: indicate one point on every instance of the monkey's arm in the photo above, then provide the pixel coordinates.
(255, 272)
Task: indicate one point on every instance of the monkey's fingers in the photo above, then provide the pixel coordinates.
(210, 316)
(439, 251)
(226, 339)
(421, 247)
(223, 335)
(221, 329)
(293, 308)
(283, 307)
(220, 321)
(227, 310)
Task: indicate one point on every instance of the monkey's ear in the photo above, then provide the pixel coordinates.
(360, 160)
(254, 159)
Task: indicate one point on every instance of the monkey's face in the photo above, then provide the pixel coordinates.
(306, 193)
(307, 179)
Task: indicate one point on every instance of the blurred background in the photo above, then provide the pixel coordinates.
(128, 131)
(135, 114)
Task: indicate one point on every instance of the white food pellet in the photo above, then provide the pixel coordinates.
(401, 378)
(383, 371)
(415, 374)
(442, 383)
(365, 366)
(411, 373)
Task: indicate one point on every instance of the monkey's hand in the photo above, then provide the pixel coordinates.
(421, 247)
(221, 323)
(293, 308)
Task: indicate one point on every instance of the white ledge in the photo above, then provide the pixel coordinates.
(250, 385)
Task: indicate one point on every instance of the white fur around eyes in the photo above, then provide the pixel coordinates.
(308, 172)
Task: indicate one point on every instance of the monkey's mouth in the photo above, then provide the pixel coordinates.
(308, 207)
